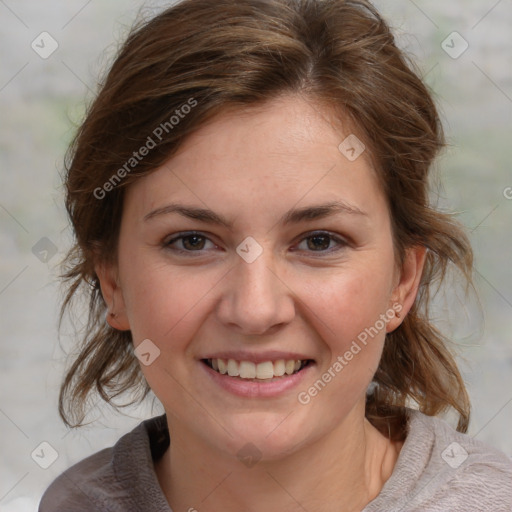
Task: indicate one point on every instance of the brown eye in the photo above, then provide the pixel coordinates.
(193, 242)
(321, 242)
(187, 243)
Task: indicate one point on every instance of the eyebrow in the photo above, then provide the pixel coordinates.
(293, 216)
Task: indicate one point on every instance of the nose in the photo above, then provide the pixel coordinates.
(255, 299)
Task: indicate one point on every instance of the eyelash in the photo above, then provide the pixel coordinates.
(168, 245)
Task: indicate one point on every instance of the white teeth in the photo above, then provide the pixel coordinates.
(247, 370)
(279, 368)
(223, 368)
(233, 370)
(264, 370)
(250, 370)
(289, 366)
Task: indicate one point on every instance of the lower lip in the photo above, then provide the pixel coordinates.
(250, 389)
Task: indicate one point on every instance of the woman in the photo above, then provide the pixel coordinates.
(249, 193)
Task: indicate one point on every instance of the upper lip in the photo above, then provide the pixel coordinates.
(257, 357)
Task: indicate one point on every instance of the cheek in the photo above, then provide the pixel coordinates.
(347, 307)
(349, 322)
(162, 300)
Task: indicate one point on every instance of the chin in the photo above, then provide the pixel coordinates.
(263, 436)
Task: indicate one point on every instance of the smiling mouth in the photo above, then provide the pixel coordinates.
(267, 371)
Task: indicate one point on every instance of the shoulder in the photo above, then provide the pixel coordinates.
(466, 457)
(112, 479)
(440, 469)
(458, 472)
(81, 487)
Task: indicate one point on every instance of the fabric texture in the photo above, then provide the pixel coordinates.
(438, 470)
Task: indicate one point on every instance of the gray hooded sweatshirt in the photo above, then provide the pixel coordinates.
(438, 470)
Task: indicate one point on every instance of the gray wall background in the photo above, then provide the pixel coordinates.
(42, 99)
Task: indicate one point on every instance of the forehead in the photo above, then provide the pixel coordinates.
(285, 130)
(284, 151)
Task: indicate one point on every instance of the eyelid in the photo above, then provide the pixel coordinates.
(185, 234)
(338, 239)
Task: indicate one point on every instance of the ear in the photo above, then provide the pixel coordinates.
(113, 296)
(406, 289)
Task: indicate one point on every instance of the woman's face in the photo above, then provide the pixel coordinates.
(285, 278)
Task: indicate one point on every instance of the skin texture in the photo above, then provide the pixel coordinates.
(299, 295)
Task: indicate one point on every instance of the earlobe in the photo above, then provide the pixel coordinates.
(113, 296)
(406, 290)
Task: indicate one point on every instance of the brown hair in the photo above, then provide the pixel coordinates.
(219, 54)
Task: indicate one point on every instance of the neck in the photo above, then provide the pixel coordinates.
(343, 470)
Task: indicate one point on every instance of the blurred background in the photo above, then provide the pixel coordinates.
(51, 56)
